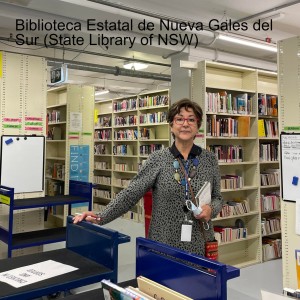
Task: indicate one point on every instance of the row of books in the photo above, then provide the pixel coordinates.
(225, 234)
(106, 194)
(130, 120)
(148, 149)
(156, 117)
(102, 180)
(268, 151)
(102, 134)
(268, 128)
(267, 105)
(55, 171)
(272, 248)
(229, 182)
(270, 201)
(227, 153)
(270, 177)
(121, 182)
(54, 133)
(124, 105)
(102, 165)
(228, 127)
(100, 149)
(123, 149)
(223, 102)
(235, 208)
(103, 121)
(270, 225)
(54, 188)
(127, 134)
(147, 133)
(54, 116)
(122, 167)
(150, 101)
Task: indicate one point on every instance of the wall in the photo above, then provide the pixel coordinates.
(289, 115)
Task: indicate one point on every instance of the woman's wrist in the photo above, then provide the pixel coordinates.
(98, 218)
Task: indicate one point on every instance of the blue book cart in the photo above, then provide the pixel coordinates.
(191, 275)
(80, 192)
(89, 247)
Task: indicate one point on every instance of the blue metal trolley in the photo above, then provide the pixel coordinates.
(89, 247)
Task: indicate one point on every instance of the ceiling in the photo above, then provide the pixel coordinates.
(111, 58)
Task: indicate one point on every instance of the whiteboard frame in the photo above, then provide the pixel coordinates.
(284, 193)
(27, 164)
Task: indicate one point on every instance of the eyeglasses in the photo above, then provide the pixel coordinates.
(190, 121)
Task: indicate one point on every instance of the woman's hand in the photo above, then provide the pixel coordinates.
(88, 216)
(205, 214)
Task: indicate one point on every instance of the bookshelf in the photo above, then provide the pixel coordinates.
(268, 135)
(102, 152)
(69, 143)
(134, 126)
(229, 97)
(56, 141)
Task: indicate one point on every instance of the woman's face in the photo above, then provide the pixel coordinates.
(185, 125)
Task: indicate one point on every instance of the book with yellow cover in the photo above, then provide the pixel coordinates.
(261, 128)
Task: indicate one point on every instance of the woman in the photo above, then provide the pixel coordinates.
(172, 222)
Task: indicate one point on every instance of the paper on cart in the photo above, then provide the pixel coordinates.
(33, 273)
(204, 195)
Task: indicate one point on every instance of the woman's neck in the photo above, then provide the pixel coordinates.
(184, 148)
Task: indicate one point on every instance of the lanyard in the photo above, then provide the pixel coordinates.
(186, 169)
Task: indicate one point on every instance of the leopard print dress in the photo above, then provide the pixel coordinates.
(168, 197)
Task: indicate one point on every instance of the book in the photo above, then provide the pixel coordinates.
(243, 126)
(138, 293)
(112, 291)
(242, 100)
(261, 128)
(274, 106)
(262, 110)
(204, 194)
(158, 291)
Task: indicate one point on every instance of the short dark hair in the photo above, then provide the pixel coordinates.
(185, 103)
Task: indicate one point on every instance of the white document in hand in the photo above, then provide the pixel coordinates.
(204, 195)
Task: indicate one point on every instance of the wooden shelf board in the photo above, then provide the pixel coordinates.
(55, 158)
(249, 237)
(236, 216)
(245, 188)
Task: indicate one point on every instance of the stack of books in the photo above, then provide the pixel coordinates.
(147, 290)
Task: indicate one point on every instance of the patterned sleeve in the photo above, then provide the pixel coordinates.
(216, 199)
(128, 197)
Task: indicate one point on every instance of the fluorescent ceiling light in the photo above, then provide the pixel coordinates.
(101, 92)
(248, 42)
(275, 17)
(134, 65)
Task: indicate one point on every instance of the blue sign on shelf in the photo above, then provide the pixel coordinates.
(79, 163)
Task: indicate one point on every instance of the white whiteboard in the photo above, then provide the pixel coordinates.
(22, 163)
(290, 166)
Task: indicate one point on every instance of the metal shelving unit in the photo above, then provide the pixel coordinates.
(117, 166)
(223, 79)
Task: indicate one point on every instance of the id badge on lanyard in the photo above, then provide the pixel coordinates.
(187, 225)
(186, 232)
